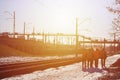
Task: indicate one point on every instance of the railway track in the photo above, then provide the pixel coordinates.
(10, 70)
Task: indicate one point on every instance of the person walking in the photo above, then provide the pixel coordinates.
(103, 57)
(84, 58)
(90, 58)
(96, 57)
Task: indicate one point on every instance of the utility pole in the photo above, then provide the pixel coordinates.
(14, 24)
(76, 33)
(13, 17)
(83, 41)
(33, 32)
(76, 36)
(24, 28)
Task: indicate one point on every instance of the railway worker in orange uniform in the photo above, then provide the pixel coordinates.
(103, 57)
(84, 58)
(96, 57)
(90, 58)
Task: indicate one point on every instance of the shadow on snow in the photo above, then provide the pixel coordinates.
(92, 70)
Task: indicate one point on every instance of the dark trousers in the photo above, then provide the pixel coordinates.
(83, 64)
(96, 63)
(103, 63)
(90, 63)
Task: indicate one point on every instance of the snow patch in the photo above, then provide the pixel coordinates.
(69, 72)
(13, 59)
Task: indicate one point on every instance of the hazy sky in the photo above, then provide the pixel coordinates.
(57, 16)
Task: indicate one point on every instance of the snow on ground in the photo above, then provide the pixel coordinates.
(69, 72)
(14, 59)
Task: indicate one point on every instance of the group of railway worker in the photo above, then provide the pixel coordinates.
(90, 58)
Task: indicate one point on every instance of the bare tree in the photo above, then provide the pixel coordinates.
(116, 21)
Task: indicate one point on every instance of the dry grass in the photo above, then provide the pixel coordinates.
(8, 51)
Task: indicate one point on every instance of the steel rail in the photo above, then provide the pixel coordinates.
(10, 70)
